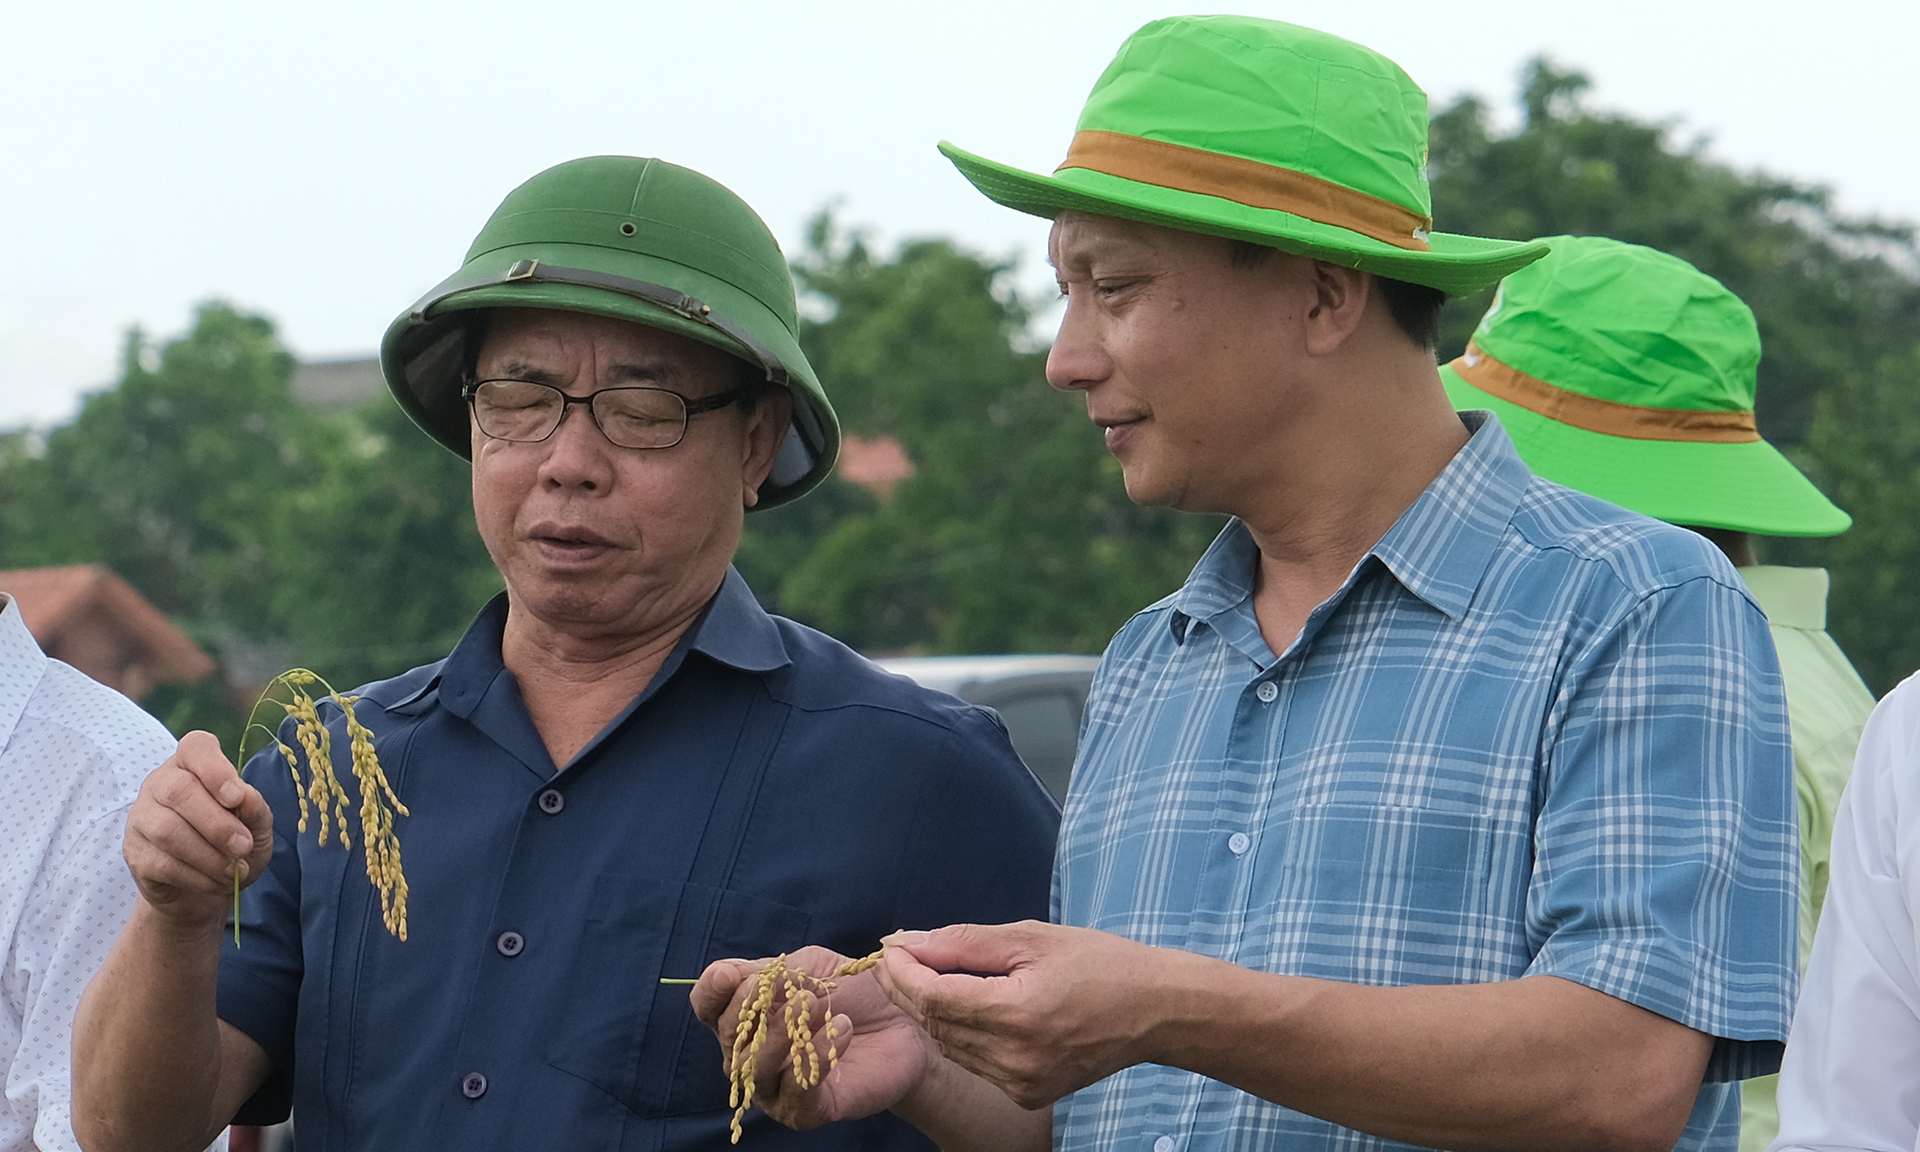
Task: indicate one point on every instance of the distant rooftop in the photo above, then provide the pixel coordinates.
(89, 617)
(337, 385)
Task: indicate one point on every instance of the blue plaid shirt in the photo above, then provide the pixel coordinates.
(1532, 734)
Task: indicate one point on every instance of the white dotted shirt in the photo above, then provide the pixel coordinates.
(72, 755)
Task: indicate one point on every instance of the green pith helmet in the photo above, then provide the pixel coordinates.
(1260, 131)
(1629, 374)
(632, 239)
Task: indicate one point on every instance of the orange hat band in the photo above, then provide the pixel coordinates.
(1607, 417)
(1248, 182)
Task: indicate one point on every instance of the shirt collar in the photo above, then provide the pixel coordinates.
(733, 630)
(25, 665)
(1441, 546)
(1438, 549)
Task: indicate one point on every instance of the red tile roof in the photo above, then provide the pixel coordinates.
(57, 602)
(875, 463)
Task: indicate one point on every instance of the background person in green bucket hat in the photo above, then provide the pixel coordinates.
(1630, 375)
(1443, 805)
(624, 771)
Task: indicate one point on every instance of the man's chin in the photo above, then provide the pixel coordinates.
(557, 600)
(1151, 491)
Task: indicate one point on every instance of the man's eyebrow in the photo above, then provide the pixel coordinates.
(655, 373)
(521, 370)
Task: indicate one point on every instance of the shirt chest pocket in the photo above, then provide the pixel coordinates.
(629, 1035)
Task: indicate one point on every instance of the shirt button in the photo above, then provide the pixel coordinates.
(1164, 1144)
(1238, 843)
(1266, 692)
(551, 802)
(510, 943)
(474, 1086)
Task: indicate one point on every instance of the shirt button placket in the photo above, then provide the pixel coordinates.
(1266, 692)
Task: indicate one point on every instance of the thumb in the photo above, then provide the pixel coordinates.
(974, 949)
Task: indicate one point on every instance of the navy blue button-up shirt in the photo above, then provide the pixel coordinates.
(769, 790)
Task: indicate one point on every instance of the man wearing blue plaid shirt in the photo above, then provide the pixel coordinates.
(1443, 806)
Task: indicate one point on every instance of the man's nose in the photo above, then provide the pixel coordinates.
(1076, 361)
(577, 451)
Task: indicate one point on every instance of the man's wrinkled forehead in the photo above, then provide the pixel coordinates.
(1077, 237)
(550, 345)
(1080, 240)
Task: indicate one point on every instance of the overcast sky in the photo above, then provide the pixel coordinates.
(324, 163)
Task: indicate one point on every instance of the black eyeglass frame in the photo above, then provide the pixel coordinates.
(688, 408)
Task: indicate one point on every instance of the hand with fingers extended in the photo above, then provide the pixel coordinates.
(1070, 1008)
(193, 824)
(877, 1058)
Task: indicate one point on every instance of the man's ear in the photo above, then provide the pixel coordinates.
(765, 432)
(1340, 298)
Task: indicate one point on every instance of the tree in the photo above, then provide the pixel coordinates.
(385, 568)
(1864, 450)
(1830, 294)
(272, 533)
(1014, 533)
(167, 477)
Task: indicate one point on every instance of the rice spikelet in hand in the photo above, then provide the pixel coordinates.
(319, 791)
(800, 989)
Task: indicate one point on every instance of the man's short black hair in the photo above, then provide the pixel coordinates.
(1415, 308)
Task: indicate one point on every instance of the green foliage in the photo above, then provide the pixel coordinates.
(1827, 297)
(168, 477)
(1864, 451)
(270, 532)
(1837, 301)
(391, 566)
(1014, 534)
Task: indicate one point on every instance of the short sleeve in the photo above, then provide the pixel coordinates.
(1667, 852)
(261, 971)
(984, 831)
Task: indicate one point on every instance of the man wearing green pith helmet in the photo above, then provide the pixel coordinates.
(1443, 806)
(624, 771)
(1630, 375)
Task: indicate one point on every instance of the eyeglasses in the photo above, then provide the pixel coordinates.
(526, 412)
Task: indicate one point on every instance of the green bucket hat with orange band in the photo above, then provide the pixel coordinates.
(1629, 374)
(1260, 131)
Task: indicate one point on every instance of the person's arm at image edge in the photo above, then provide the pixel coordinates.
(154, 1069)
(1846, 1080)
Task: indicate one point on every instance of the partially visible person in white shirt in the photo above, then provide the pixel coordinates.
(72, 755)
(1851, 1078)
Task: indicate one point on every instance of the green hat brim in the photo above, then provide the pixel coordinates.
(1746, 487)
(422, 356)
(1456, 265)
